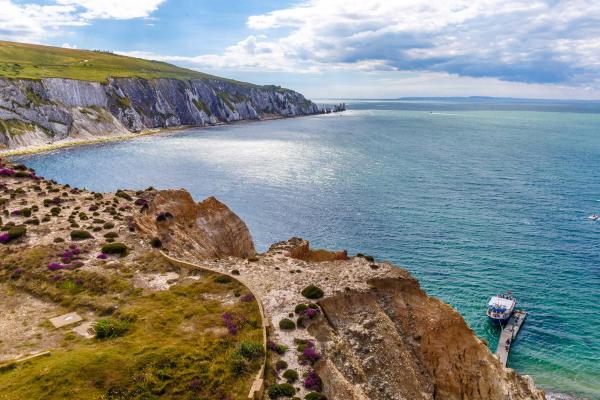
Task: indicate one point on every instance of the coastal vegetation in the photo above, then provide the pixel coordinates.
(31, 61)
(182, 339)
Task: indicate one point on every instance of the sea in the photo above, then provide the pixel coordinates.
(474, 196)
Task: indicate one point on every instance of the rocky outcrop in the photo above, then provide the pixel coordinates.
(395, 342)
(208, 229)
(34, 112)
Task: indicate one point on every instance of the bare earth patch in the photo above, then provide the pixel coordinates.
(23, 324)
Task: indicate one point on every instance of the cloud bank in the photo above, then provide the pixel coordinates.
(547, 42)
(31, 22)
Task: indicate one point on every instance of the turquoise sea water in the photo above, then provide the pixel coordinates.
(473, 196)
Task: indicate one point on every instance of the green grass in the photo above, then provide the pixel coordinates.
(167, 349)
(30, 61)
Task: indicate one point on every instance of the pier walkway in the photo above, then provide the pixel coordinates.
(508, 335)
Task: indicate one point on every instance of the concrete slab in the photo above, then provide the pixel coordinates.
(86, 330)
(64, 320)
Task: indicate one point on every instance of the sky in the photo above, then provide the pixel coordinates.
(342, 48)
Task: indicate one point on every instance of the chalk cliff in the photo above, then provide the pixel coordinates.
(40, 112)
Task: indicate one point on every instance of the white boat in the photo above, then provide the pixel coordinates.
(500, 308)
(594, 217)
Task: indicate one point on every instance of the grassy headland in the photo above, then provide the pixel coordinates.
(31, 61)
(159, 331)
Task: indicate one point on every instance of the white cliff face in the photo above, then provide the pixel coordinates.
(56, 109)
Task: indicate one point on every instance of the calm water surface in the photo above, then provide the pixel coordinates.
(472, 196)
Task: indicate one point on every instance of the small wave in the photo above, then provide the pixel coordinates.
(561, 396)
(439, 113)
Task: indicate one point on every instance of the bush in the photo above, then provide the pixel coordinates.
(115, 248)
(313, 382)
(26, 212)
(123, 195)
(238, 365)
(368, 258)
(156, 243)
(312, 292)
(108, 225)
(80, 235)
(287, 324)
(250, 350)
(300, 308)
(16, 232)
(109, 235)
(110, 328)
(281, 364)
(315, 396)
(290, 376)
(59, 240)
(222, 279)
(55, 211)
(281, 390)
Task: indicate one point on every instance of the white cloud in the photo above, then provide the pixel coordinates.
(531, 41)
(114, 9)
(32, 22)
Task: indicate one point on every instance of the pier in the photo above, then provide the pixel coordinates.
(508, 335)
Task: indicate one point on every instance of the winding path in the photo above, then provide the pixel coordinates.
(257, 388)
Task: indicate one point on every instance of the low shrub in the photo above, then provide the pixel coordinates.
(368, 258)
(111, 235)
(280, 364)
(238, 365)
(287, 324)
(290, 376)
(123, 195)
(277, 348)
(26, 212)
(108, 225)
(281, 390)
(110, 328)
(115, 248)
(300, 308)
(250, 350)
(315, 396)
(16, 232)
(80, 235)
(222, 279)
(312, 292)
(313, 382)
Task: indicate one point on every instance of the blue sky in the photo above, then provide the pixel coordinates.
(339, 48)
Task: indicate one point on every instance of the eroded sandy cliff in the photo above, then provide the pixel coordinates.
(380, 335)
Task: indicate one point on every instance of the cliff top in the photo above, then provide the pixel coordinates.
(32, 61)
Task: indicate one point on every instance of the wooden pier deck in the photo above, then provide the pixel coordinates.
(508, 335)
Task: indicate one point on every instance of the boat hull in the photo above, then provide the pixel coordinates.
(498, 321)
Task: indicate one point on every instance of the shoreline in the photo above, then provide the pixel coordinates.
(66, 143)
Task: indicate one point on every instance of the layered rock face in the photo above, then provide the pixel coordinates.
(395, 342)
(208, 229)
(37, 112)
